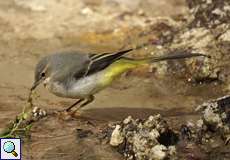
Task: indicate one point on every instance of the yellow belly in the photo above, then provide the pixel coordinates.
(117, 68)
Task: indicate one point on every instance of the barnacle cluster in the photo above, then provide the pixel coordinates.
(215, 118)
(154, 139)
(209, 13)
(150, 139)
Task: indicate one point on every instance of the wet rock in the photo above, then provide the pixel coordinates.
(154, 139)
(209, 13)
(216, 118)
(207, 32)
(144, 139)
(215, 113)
(212, 130)
(211, 118)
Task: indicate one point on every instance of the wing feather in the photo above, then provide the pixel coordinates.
(98, 62)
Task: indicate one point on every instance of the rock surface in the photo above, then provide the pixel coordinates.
(145, 139)
(153, 139)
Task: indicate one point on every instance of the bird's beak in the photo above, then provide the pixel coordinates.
(35, 85)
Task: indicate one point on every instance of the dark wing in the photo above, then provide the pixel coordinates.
(98, 62)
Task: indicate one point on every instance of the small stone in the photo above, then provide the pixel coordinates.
(225, 36)
(226, 129)
(190, 124)
(172, 150)
(223, 115)
(141, 12)
(217, 11)
(158, 152)
(116, 137)
(35, 114)
(154, 134)
(40, 113)
(44, 113)
(211, 118)
(227, 8)
(86, 11)
(128, 120)
(159, 46)
(209, 2)
(200, 123)
(35, 109)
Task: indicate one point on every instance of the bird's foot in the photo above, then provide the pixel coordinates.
(67, 115)
(73, 115)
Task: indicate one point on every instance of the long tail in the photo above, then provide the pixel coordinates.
(124, 64)
(180, 55)
(172, 56)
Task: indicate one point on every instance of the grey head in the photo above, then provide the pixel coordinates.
(59, 66)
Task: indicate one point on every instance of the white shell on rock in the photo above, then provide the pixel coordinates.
(116, 137)
(200, 123)
(158, 152)
(172, 150)
(127, 120)
(154, 134)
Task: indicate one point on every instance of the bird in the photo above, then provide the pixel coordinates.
(80, 76)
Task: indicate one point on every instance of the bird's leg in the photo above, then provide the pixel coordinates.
(77, 102)
(88, 101)
(72, 114)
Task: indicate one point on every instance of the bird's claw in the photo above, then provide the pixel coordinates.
(67, 115)
(70, 115)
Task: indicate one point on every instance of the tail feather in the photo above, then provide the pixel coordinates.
(124, 64)
(101, 61)
(181, 55)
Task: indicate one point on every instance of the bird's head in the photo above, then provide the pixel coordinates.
(42, 72)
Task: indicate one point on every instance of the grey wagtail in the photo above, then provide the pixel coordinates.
(80, 76)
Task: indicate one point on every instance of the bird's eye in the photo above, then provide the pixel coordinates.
(43, 74)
